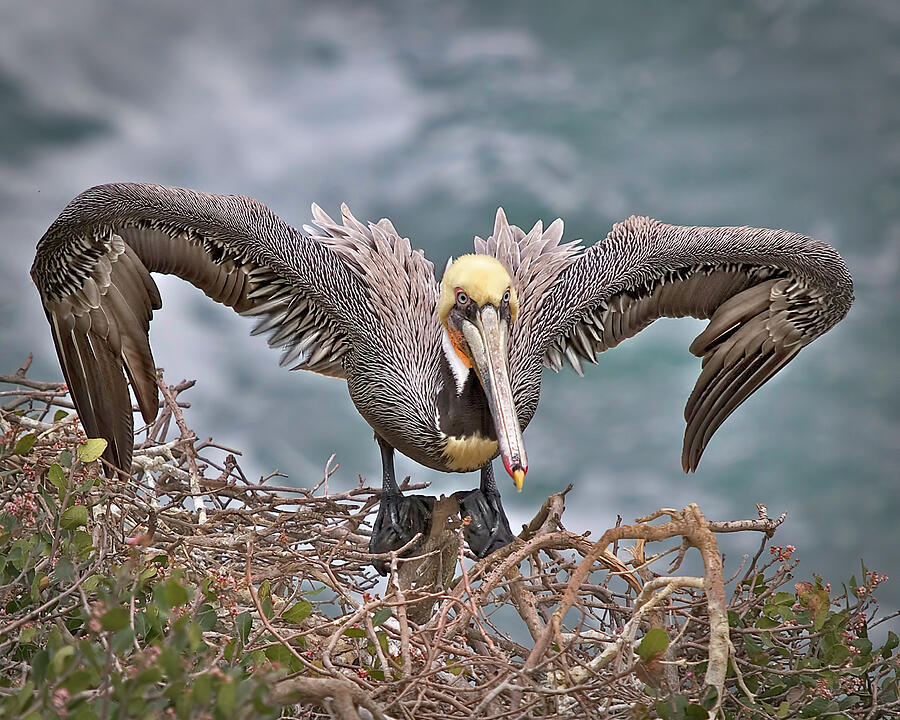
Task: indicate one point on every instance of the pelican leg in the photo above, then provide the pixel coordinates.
(488, 529)
(400, 517)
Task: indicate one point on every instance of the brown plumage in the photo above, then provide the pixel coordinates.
(438, 381)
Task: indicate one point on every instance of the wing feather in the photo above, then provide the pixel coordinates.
(766, 294)
(93, 270)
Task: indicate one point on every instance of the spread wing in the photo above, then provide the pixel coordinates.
(766, 293)
(93, 267)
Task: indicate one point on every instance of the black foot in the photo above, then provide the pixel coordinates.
(488, 529)
(399, 519)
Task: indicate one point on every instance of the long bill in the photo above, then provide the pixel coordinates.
(487, 339)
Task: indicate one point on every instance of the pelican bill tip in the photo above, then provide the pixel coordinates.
(518, 477)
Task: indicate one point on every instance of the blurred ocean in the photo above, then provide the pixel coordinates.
(776, 113)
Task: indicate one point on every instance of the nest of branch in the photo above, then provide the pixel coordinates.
(555, 625)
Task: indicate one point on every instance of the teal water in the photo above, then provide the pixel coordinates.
(780, 114)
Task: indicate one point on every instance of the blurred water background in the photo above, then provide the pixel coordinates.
(770, 113)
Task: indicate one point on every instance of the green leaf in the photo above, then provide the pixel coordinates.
(206, 616)
(148, 573)
(710, 696)
(244, 624)
(115, 619)
(653, 644)
(36, 590)
(24, 444)
(92, 582)
(57, 477)
(815, 708)
(773, 690)
(671, 708)
(195, 635)
(65, 458)
(74, 517)
(264, 590)
(836, 655)
(381, 616)
(202, 687)
(298, 612)
(169, 659)
(355, 632)
(122, 640)
(91, 450)
(86, 485)
(278, 654)
(60, 657)
(892, 642)
(82, 541)
(695, 712)
(170, 594)
(26, 694)
(254, 659)
(59, 415)
(784, 612)
(39, 664)
(226, 699)
(64, 571)
(149, 676)
(889, 690)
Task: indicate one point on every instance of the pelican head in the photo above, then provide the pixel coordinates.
(477, 307)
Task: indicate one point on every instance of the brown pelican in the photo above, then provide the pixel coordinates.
(449, 374)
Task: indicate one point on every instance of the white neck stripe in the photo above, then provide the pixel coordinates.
(459, 370)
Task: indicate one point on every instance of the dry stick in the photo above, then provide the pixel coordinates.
(312, 689)
(248, 577)
(738, 674)
(188, 437)
(402, 619)
(329, 471)
(472, 608)
(509, 557)
(514, 555)
(690, 524)
(373, 637)
(653, 593)
(20, 379)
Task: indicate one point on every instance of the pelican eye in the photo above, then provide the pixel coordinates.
(506, 296)
(461, 298)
